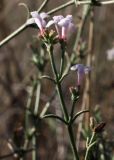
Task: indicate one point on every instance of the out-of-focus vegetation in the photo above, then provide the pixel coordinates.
(17, 71)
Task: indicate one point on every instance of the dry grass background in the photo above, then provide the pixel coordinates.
(16, 68)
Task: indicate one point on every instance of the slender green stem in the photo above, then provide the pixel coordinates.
(62, 58)
(46, 106)
(48, 77)
(90, 146)
(32, 89)
(27, 125)
(78, 114)
(63, 76)
(56, 117)
(27, 121)
(72, 109)
(36, 109)
(63, 106)
(34, 153)
(58, 85)
(92, 138)
(50, 50)
(73, 145)
(61, 66)
(87, 153)
(37, 98)
(59, 90)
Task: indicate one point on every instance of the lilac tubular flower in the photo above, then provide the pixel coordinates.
(81, 71)
(38, 19)
(57, 18)
(55, 21)
(65, 24)
(62, 25)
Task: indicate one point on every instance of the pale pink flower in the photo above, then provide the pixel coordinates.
(55, 21)
(62, 25)
(38, 18)
(81, 71)
(66, 25)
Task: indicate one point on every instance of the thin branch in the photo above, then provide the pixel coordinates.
(78, 3)
(48, 78)
(14, 34)
(78, 114)
(47, 105)
(36, 109)
(15, 152)
(54, 116)
(43, 5)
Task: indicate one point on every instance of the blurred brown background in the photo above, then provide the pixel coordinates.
(16, 69)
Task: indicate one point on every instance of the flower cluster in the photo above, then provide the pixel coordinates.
(62, 24)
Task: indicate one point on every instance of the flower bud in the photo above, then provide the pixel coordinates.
(74, 93)
(49, 37)
(99, 128)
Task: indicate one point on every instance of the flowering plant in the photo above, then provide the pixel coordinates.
(51, 52)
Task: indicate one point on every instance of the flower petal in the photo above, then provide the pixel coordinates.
(73, 68)
(39, 23)
(81, 71)
(76, 66)
(64, 32)
(72, 27)
(51, 22)
(87, 69)
(69, 17)
(63, 22)
(43, 23)
(30, 21)
(80, 78)
(44, 15)
(57, 18)
(80, 68)
(34, 14)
